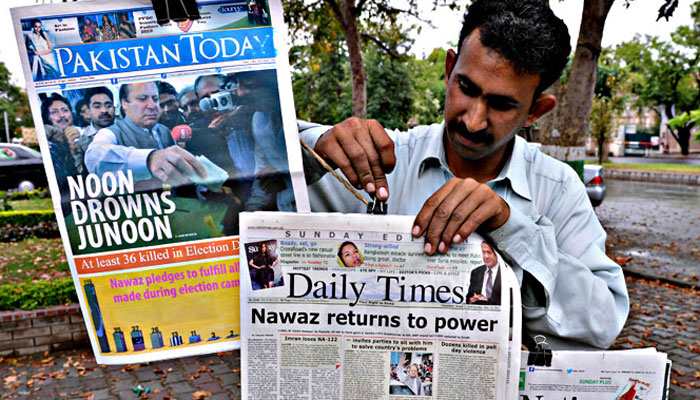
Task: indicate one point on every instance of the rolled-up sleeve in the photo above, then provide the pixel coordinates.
(579, 293)
(104, 154)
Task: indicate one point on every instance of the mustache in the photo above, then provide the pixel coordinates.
(105, 115)
(480, 136)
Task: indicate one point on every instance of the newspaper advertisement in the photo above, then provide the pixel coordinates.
(339, 306)
(640, 374)
(154, 139)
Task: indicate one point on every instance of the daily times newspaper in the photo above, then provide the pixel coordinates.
(153, 248)
(349, 307)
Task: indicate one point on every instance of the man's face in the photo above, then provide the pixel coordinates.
(486, 102)
(101, 110)
(413, 371)
(255, 93)
(207, 86)
(142, 107)
(488, 255)
(85, 113)
(189, 104)
(168, 103)
(351, 256)
(60, 115)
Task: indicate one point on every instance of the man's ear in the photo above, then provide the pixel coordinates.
(542, 105)
(450, 61)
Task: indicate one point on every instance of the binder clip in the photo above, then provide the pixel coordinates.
(376, 206)
(542, 356)
(176, 10)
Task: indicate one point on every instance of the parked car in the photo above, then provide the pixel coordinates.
(595, 185)
(21, 168)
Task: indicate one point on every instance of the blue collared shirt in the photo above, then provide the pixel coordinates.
(578, 297)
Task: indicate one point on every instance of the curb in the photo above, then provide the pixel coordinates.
(652, 176)
(636, 273)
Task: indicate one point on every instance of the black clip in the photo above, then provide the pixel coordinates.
(376, 206)
(542, 356)
(176, 10)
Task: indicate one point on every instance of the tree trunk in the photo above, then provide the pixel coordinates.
(569, 124)
(683, 134)
(346, 14)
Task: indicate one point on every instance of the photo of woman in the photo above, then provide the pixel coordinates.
(108, 30)
(127, 30)
(349, 255)
(263, 263)
(39, 46)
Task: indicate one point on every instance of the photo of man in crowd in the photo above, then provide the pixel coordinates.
(230, 123)
(411, 374)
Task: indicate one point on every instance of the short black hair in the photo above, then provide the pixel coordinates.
(124, 92)
(166, 88)
(98, 90)
(47, 103)
(524, 32)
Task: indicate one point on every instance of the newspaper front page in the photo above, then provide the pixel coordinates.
(154, 138)
(617, 375)
(349, 307)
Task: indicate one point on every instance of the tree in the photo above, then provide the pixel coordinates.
(373, 20)
(667, 75)
(608, 102)
(14, 101)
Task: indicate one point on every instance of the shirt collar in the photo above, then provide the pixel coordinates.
(434, 150)
(513, 173)
(515, 170)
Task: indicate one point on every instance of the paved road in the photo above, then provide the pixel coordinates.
(693, 159)
(656, 225)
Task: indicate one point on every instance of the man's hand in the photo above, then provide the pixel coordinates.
(457, 209)
(363, 151)
(173, 164)
(477, 297)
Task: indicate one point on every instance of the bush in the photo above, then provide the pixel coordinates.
(34, 295)
(15, 194)
(26, 218)
(44, 230)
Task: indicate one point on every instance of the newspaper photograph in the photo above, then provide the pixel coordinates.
(639, 374)
(154, 139)
(341, 306)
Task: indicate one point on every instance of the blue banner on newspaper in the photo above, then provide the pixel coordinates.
(91, 59)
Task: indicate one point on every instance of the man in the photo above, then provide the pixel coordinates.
(412, 380)
(60, 133)
(189, 104)
(472, 172)
(82, 114)
(100, 102)
(485, 281)
(171, 116)
(140, 144)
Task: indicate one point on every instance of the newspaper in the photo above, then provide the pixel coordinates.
(341, 306)
(640, 374)
(154, 138)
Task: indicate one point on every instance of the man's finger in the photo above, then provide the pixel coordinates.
(460, 214)
(360, 163)
(427, 212)
(384, 146)
(375, 164)
(441, 217)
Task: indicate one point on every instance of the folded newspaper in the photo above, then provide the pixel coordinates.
(349, 306)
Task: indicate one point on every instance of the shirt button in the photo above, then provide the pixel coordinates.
(502, 246)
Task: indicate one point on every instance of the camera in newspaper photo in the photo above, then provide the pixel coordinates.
(265, 270)
(411, 374)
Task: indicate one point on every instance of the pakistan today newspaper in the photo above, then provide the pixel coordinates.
(349, 307)
(153, 248)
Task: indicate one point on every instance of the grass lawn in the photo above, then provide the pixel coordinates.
(32, 260)
(680, 168)
(31, 204)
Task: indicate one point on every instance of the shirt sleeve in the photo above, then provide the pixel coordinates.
(104, 154)
(570, 288)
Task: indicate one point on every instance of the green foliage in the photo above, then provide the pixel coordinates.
(40, 193)
(34, 295)
(26, 218)
(390, 90)
(429, 76)
(13, 100)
